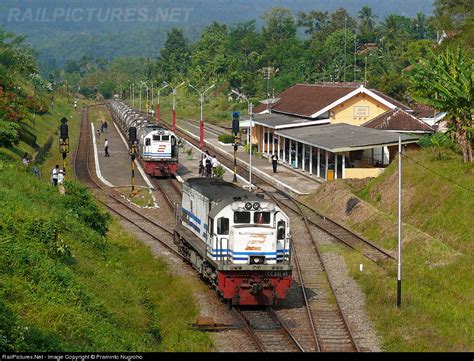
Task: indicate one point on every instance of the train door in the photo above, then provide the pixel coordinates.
(222, 238)
(174, 148)
(282, 236)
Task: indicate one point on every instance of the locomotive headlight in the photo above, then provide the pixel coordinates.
(235, 206)
(256, 206)
(271, 207)
(248, 206)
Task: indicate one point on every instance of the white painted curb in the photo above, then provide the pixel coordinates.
(96, 160)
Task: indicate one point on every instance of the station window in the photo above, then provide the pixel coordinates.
(147, 142)
(165, 137)
(261, 217)
(223, 225)
(241, 217)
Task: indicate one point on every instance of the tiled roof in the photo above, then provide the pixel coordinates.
(423, 111)
(398, 120)
(304, 100)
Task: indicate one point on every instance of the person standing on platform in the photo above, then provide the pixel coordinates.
(208, 167)
(274, 162)
(204, 159)
(214, 163)
(201, 165)
(106, 148)
(98, 136)
(106, 127)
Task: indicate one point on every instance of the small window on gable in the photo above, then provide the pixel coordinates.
(223, 225)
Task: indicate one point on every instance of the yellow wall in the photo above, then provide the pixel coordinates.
(344, 113)
(362, 172)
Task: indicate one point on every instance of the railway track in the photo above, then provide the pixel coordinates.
(111, 199)
(339, 233)
(330, 329)
(268, 330)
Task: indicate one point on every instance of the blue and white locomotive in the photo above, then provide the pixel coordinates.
(237, 240)
(157, 146)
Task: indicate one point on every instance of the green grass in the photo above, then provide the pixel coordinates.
(437, 259)
(65, 287)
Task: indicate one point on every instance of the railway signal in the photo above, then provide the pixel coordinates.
(64, 142)
(235, 131)
(132, 136)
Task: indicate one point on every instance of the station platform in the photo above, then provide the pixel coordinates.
(285, 178)
(114, 171)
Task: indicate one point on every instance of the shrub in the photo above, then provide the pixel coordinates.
(79, 201)
(226, 138)
(437, 140)
(254, 148)
(218, 171)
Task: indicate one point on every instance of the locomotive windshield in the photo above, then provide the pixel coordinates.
(241, 217)
(261, 218)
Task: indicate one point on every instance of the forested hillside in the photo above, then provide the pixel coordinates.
(94, 29)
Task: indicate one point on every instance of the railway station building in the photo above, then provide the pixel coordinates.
(335, 130)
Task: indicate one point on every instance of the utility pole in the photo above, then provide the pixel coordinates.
(201, 123)
(345, 47)
(158, 118)
(251, 140)
(173, 128)
(399, 277)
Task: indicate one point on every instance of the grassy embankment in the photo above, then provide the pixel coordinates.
(65, 284)
(437, 252)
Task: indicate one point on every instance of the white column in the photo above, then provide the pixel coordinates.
(296, 155)
(268, 142)
(327, 164)
(279, 140)
(310, 159)
(319, 163)
(303, 153)
(335, 165)
(284, 150)
(289, 153)
(273, 143)
(343, 165)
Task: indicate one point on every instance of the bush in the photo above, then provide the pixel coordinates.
(254, 149)
(437, 140)
(79, 202)
(218, 171)
(226, 138)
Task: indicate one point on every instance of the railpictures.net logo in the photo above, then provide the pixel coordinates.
(102, 15)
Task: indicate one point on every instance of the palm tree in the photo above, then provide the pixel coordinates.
(419, 25)
(366, 19)
(446, 82)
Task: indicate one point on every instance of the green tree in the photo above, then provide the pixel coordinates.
(315, 23)
(367, 20)
(279, 26)
(446, 82)
(175, 55)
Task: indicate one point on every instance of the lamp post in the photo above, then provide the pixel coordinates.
(399, 276)
(147, 92)
(201, 123)
(158, 105)
(173, 128)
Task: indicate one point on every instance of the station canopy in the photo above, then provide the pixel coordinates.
(343, 137)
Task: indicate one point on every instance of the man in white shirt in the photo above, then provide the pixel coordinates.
(54, 175)
(106, 148)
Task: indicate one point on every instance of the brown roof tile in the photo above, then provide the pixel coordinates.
(305, 100)
(398, 120)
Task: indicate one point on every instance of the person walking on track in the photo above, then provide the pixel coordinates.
(106, 148)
